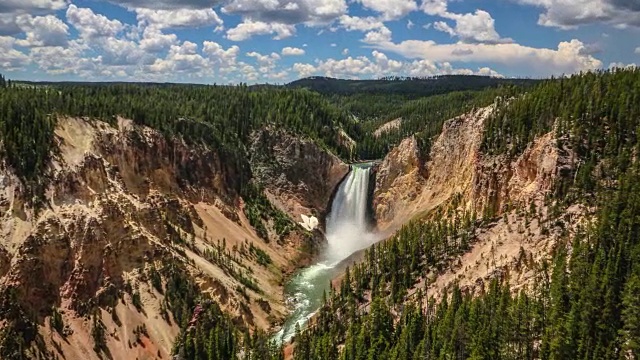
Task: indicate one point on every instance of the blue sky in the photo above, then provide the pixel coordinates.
(276, 41)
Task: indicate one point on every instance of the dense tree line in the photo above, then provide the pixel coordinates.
(409, 88)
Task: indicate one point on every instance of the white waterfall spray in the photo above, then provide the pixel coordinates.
(347, 228)
(347, 232)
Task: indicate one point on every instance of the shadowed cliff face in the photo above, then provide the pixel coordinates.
(298, 176)
(123, 200)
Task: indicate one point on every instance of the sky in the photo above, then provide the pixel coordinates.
(277, 41)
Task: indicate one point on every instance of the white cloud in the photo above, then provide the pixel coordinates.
(434, 7)
(381, 35)
(42, 31)
(10, 10)
(65, 60)
(334, 45)
(291, 12)
(569, 57)
(179, 18)
(354, 23)
(167, 4)
(121, 52)
(620, 65)
(470, 27)
(250, 28)
(182, 58)
(292, 51)
(410, 24)
(637, 51)
(567, 14)
(155, 41)
(21, 6)
(266, 63)
(10, 58)
(304, 70)
(223, 60)
(92, 25)
(345, 52)
(379, 65)
(390, 9)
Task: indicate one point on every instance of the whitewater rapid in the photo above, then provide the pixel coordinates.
(347, 232)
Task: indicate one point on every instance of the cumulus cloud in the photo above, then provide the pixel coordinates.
(568, 14)
(92, 25)
(382, 35)
(477, 27)
(222, 60)
(182, 58)
(178, 18)
(266, 63)
(167, 4)
(345, 52)
(250, 28)
(620, 65)
(291, 12)
(390, 9)
(569, 57)
(155, 41)
(59, 60)
(10, 10)
(292, 51)
(355, 23)
(23, 6)
(10, 58)
(42, 30)
(379, 64)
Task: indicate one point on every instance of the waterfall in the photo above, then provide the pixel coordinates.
(347, 227)
(347, 232)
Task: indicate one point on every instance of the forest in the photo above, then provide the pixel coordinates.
(586, 302)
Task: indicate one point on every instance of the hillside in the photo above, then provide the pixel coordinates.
(523, 243)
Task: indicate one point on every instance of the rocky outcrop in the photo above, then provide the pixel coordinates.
(458, 175)
(297, 175)
(520, 229)
(399, 181)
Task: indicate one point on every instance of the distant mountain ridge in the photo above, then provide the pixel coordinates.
(413, 87)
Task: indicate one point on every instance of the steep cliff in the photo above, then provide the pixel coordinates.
(459, 178)
(298, 177)
(124, 208)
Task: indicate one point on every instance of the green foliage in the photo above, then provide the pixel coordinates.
(136, 300)
(207, 332)
(259, 210)
(56, 322)
(98, 334)
(406, 87)
(261, 256)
